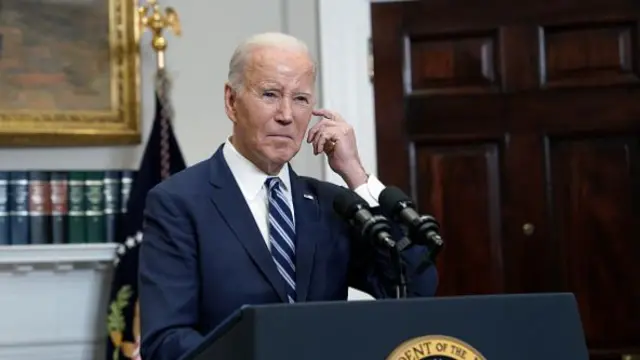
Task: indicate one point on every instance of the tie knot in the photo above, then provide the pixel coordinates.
(272, 183)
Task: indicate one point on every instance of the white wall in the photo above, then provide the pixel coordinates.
(345, 27)
(198, 64)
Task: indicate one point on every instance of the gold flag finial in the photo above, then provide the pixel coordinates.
(152, 17)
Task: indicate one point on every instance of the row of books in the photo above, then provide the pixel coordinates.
(63, 207)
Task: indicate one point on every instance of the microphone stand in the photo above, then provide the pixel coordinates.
(427, 261)
(401, 287)
(374, 225)
(396, 258)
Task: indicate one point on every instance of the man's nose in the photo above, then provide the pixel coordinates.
(285, 112)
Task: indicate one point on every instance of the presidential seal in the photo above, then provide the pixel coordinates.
(435, 347)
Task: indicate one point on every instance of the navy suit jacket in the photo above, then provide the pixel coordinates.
(203, 257)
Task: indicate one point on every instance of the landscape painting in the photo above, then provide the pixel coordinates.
(69, 72)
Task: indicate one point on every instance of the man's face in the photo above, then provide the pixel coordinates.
(272, 111)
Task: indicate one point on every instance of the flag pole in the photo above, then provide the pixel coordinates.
(161, 158)
(153, 18)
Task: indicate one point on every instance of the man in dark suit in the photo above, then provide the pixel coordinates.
(242, 227)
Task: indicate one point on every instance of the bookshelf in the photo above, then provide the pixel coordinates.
(59, 235)
(63, 207)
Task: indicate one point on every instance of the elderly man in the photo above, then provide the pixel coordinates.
(242, 227)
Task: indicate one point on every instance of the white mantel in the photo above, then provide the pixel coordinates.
(53, 301)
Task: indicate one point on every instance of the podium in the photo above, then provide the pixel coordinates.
(491, 327)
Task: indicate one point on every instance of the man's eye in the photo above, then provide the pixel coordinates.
(302, 98)
(269, 94)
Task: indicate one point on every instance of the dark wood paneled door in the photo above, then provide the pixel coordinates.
(516, 124)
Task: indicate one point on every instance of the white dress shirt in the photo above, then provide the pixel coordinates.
(251, 181)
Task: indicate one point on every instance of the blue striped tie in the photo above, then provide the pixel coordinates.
(281, 236)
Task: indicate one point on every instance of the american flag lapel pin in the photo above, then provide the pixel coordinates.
(308, 196)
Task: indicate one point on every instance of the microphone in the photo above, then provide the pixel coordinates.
(351, 207)
(422, 229)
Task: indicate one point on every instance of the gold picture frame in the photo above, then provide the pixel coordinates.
(69, 73)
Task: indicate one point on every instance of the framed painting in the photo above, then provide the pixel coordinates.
(69, 73)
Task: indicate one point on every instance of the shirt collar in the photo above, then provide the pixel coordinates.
(250, 179)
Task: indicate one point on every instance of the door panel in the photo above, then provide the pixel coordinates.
(516, 124)
(595, 187)
(464, 184)
(595, 54)
(456, 63)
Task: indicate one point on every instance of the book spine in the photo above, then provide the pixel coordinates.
(126, 180)
(59, 207)
(5, 233)
(39, 207)
(77, 208)
(111, 205)
(19, 207)
(94, 200)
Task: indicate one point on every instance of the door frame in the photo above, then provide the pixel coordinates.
(344, 33)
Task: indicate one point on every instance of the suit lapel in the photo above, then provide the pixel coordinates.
(308, 229)
(233, 208)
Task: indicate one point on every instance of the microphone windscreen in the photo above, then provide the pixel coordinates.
(347, 202)
(391, 198)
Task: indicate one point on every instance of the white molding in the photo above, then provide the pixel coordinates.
(344, 31)
(76, 351)
(53, 253)
(56, 257)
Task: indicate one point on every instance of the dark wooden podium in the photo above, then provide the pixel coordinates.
(492, 327)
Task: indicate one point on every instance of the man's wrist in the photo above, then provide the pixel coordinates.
(355, 177)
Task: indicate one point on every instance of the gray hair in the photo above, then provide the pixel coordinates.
(242, 53)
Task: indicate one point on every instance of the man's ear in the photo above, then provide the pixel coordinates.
(230, 99)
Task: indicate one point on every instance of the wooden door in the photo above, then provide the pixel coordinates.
(516, 124)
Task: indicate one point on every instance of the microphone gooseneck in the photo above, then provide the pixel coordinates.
(354, 209)
(422, 229)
